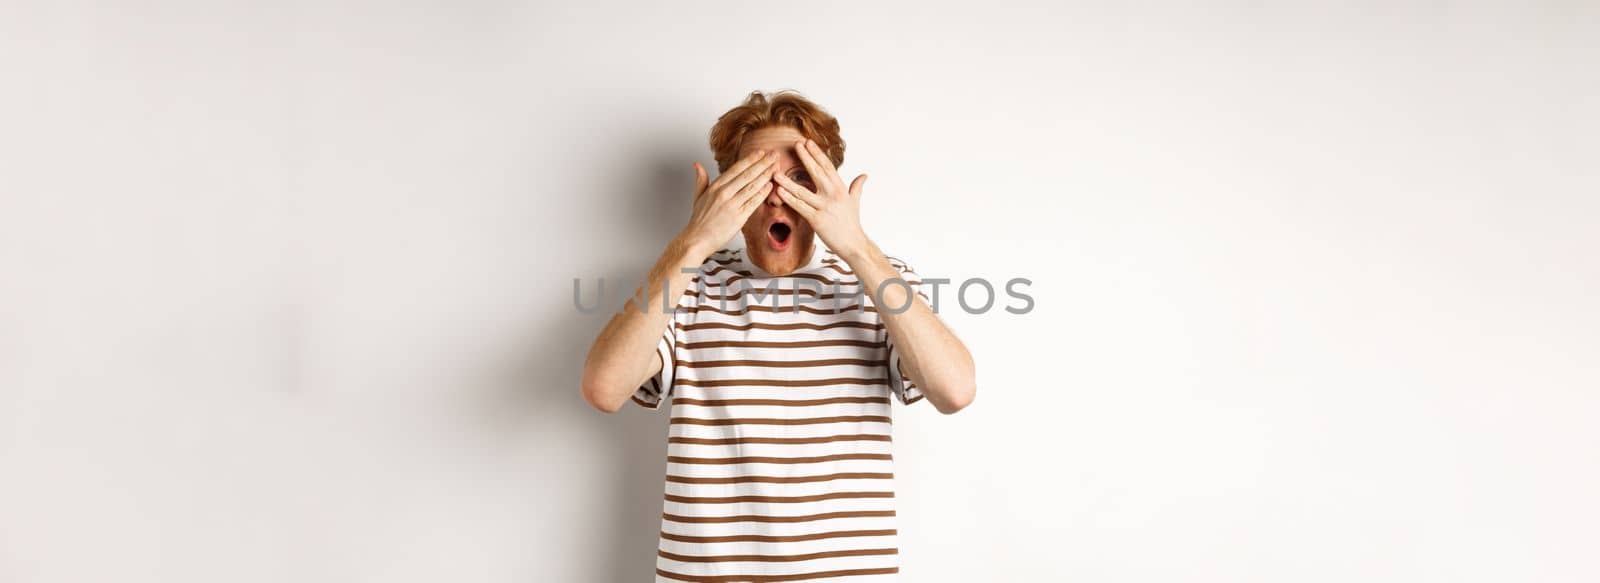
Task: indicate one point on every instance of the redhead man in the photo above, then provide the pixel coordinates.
(779, 360)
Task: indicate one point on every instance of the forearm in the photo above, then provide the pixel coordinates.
(934, 358)
(624, 354)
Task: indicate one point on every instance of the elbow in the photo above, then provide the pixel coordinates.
(958, 398)
(596, 392)
(959, 394)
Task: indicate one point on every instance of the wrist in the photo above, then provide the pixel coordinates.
(862, 249)
(690, 248)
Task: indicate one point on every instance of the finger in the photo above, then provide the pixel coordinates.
(823, 159)
(813, 167)
(700, 181)
(855, 185)
(749, 204)
(753, 172)
(751, 198)
(805, 210)
(801, 192)
(756, 186)
(738, 167)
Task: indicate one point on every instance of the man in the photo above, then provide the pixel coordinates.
(779, 360)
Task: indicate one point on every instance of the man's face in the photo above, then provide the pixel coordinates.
(777, 239)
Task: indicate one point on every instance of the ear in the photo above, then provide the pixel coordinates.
(855, 185)
(700, 180)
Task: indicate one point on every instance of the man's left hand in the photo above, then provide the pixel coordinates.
(833, 210)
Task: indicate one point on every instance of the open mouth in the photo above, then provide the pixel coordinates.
(778, 235)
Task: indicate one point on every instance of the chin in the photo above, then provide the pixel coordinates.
(780, 246)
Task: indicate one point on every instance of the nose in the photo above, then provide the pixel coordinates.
(772, 194)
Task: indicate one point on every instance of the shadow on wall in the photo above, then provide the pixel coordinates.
(546, 369)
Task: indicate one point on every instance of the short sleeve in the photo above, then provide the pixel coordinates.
(658, 388)
(901, 385)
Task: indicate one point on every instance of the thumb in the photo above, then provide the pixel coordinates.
(855, 185)
(700, 180)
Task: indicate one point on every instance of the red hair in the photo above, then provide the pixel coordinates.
(782, 109)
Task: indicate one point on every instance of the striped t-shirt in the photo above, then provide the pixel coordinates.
(779, 464)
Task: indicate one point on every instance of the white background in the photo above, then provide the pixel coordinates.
(286, 287)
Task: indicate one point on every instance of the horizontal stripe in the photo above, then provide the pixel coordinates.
(732, 276)
(834, 265)
(782, 479)
(756, 489)
(775, 499)
(720, 270)
(762, 292)
(764, 295)
(784, 363)
(750, 459)
(779, 382)
(775, 558)
(778, 529)
(789, 309)
(774, 578)
(777, 440)
(761, 285)
(765, 518)
(779, 402)
(774, 392)
(743, 282)
(774, 297)
(736, 470)
(778, 421)
(799, 344)
(767, 538)
(785, 326)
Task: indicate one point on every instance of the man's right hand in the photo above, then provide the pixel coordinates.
(722, 206)
(624, 356)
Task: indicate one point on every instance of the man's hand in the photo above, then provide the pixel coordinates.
(934, 358)
(721, 207)
(833, 210)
